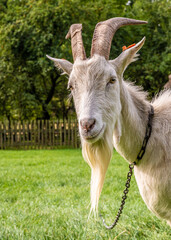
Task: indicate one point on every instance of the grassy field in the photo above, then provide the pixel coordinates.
(44, 194)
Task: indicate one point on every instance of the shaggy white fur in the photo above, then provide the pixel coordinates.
(120, 111)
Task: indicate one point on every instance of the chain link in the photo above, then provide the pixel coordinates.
(131, 167)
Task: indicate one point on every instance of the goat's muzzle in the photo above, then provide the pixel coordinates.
(91, 130)
(87, 124)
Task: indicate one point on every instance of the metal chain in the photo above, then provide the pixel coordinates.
(131, 167)
(124, 197)
(147, 134)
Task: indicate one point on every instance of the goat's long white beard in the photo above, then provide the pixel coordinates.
(98, 156)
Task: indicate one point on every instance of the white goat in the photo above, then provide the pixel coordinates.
(112, 111)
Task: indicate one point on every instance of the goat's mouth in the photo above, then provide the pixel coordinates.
(95, 137)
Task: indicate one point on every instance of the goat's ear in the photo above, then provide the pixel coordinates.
(126, 57)
(62, 64)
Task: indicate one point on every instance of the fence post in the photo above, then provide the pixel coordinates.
(11, 133)
(49, 134)
(60, 125)
(64, 133)
(42, 127)
(1, 136)
(4, 128)
(53, 133)
(23, 134)
(19, 137)
(8, 133)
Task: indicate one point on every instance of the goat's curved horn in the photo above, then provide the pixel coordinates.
(104, 32)
(76, 41)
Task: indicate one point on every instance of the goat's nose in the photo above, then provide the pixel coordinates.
(87, 124)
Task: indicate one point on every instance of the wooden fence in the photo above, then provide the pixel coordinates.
(39, 134)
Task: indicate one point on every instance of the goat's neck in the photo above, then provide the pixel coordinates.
(132, 122)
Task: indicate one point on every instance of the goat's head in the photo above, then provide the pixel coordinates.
(95, 85)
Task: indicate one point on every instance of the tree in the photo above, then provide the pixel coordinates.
(30, 86)
(155, 57)
(29, 30)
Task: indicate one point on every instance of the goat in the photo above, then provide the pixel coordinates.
(113, 112)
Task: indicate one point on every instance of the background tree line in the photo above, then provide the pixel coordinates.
(30, 86)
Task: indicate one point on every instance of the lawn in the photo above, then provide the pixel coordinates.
(44, 194)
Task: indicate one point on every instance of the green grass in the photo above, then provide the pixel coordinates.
(44, 194)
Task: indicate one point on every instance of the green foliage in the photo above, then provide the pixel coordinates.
(153, 70)
(45, 195)
(31, 88)
(29, 30)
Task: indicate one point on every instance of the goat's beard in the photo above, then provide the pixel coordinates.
(98, 156)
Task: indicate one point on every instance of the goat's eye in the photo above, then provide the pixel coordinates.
(70, 87)
(112, 80)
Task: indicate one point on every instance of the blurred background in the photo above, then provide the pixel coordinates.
(30, 86)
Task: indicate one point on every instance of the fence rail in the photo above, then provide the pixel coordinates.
(39, 134)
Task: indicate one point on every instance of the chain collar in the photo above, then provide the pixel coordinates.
(147, 136)
(131, 167)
